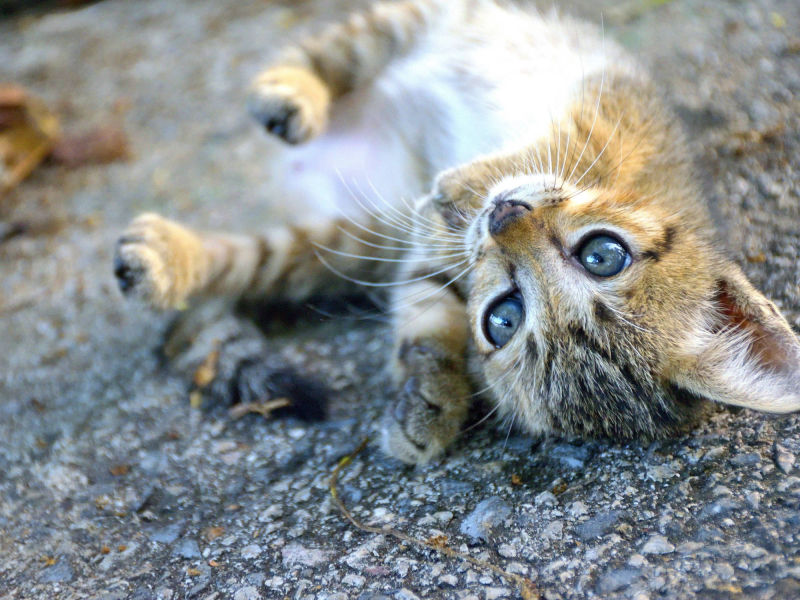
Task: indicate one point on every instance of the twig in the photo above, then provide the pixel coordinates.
(526, 587)
(262, 408)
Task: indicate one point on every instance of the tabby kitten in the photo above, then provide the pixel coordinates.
(562, 263)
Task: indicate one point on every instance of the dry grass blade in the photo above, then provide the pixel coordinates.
(265, 409)
(525, 586)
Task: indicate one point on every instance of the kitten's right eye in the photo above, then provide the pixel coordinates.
(503, 319)
(604, 256)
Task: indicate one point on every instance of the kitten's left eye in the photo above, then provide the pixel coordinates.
(503, 319)
(604, 256)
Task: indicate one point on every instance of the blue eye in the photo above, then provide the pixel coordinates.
(604, 256)
(502, 319)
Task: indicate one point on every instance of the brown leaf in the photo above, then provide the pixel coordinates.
(193, 572)
(28, 131)
(103, 144)
(105, 550)
(121, 469)
(515, 479)
(213, 533)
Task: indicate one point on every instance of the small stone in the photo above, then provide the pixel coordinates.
(577, 509)
(296, 554)
(167, 534)
(618, 579)
(493, 593)
(450, 580)
(405, 594)
(637, 560)
(569, 455)
(554, 530)
(247, 593)
(353, 580)
(783, 458)
(598, 526)
(187, 548)
(658, 544)
(724, 571)
(753, 499)
(547, 498)
(251, 551)
(61, 572)
(746, 460)
(721, 507)
(164, 593)
(487, 515)
(507, 551)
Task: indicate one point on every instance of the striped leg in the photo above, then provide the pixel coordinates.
(292, 97)
(166, 264)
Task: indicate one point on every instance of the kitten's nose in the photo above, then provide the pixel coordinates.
(505, 211)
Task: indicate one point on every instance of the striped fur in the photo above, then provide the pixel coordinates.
(536, 120)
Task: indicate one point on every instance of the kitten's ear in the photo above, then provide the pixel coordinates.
(743, 352)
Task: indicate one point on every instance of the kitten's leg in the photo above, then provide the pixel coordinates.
(165, 264)
(430, 370)
(292, 97)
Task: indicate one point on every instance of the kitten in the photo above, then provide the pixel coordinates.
(562, 263)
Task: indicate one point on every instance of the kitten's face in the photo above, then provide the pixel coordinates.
(602, 311)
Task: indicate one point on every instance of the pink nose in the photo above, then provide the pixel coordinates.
(504, 213)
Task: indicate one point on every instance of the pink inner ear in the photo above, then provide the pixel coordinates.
(768, 343)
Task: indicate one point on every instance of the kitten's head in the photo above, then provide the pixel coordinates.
(605, 308)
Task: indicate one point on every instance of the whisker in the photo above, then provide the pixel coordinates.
(386, 283)
(383, 259)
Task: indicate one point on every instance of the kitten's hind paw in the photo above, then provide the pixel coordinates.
(290, 102)
(227, 361)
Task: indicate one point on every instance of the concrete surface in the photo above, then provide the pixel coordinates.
(111, 486)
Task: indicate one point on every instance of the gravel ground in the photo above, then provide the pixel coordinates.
(113, 487)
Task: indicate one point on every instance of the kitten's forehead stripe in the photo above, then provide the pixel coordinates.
(662, 247)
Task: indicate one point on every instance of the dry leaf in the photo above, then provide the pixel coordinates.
(118, 470)
(206, 372)
(28, 131)
(103, 144)
(213, 533)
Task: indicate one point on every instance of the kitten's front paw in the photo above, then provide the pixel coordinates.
(420, 426)
(157, 261)
(290, 102)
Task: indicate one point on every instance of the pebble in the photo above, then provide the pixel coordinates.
(297, 554)
(251, 551)
(61, 572)
(187, 548)
(637, 560)
(658, 544)
(487, 515)
(783, 458)
(547, 498)
(406, 594)
(618, 579)
(570, 455)
(554, 530)
(353, 580)
(577, 509)
(167, 534)
(746, 460)
(248, 592)
(598, 526)
(720, 507)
